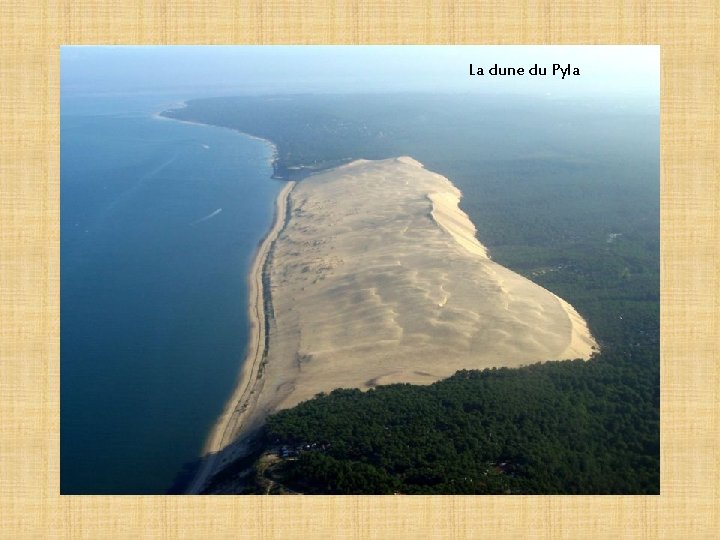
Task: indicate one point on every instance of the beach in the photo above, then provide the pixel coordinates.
(219, 447)
(371, 274)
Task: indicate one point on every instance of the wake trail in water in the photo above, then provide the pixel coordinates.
(128, 193)
(205, 218)
(161, 166)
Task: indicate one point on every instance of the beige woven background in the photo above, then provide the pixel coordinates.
(31, 33)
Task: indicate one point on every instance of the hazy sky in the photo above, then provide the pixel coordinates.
(631, 71)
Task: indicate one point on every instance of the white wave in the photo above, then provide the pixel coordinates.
(205, 218)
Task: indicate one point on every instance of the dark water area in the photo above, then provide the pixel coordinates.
(159, 224)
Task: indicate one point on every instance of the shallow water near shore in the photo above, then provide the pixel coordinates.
(159, 224)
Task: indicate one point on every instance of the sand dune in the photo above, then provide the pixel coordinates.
(378, 278)
(375, 276)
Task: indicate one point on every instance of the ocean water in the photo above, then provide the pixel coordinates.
(159, 224)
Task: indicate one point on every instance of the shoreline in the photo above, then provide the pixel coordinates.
(224, 433)
(293, 173)
(273, 158)
(221, 443)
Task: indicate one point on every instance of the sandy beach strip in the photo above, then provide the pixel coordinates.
(230, 422)
(223, 444)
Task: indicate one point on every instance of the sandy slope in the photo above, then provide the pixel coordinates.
(375, 278)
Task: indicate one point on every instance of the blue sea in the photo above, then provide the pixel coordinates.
(159, 224)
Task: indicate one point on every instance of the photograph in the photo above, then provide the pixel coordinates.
(359, 270)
